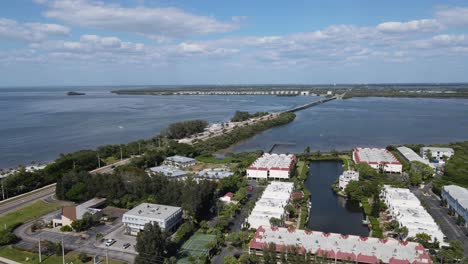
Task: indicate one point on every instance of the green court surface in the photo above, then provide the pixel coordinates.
(195, 246)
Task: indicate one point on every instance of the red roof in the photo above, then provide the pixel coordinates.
(229, 194)
(345, 256)
(297, 195)
(398, 261)
(367, 259)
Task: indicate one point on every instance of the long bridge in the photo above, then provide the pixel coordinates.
(304, 106)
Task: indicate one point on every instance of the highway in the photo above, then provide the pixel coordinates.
(110, 168)
(26, 199)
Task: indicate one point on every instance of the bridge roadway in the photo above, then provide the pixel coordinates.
(304, 106)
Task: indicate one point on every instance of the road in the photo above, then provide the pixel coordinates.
(110, 168)
(19, 202)
(440, 214)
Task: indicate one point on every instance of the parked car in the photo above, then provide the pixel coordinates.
(126, 245)
(110, 242)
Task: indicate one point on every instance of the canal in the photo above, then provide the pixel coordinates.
(330, 212)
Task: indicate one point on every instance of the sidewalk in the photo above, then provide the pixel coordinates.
(8, 261)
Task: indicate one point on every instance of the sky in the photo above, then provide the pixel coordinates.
(181, 42)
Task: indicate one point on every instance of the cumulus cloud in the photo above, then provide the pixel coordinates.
(33, 32)
(423, 25)
(162, 22)
(453, 15)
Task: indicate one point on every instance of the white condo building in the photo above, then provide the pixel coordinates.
(437, 153)
(271, 205)
(378, 159)
(406, 209)
(410, 155)
(457, 199)
(346, 178)
(167, 217)
(179, 161)
(272, 166)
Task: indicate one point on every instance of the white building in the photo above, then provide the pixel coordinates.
(271, 205)
(410, 155)
(437, 153)
(179, 161)
(75, 212)
(347, 177)
(457, 199)
(379, 159)
(271, 166)
(167, 217)
(338, 247)
(406, 209)
(227, 198)
(170, 172)
(215, 173)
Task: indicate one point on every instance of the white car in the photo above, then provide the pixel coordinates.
(110, 242)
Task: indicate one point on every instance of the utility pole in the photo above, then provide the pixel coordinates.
(107, 256)
(40, 255)
(3, 191)
(121, 155)
(99, 161)
(139, 149)
(63, 252)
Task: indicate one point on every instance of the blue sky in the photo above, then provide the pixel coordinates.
(139, 42)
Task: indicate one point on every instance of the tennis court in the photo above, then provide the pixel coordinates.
(195, 246)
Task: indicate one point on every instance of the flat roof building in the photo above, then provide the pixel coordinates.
(271, 205)
(406, 209)
(340, 247)
(170, 172)
(437, 153)
(179, 161)
(409, 155)
(271, 166)
(215, 173)
(457, 200)
(379, 159)
(167, 217)
(346, 178)
(76, 212)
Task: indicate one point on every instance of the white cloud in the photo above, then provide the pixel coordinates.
(32, 32)
(423, 25)
(453, 15)
(160, 22)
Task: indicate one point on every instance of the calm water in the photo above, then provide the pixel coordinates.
(37, 124)
(329, 212)
(345, 124)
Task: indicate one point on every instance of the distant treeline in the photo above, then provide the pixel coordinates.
(240, 116)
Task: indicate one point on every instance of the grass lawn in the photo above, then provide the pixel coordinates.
(27, 213)
(27, 257)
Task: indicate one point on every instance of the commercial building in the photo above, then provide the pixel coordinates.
(170, 172)
(272, 166)
(337, 247)
(437, 153)
(271, 205)
(215, 173)
(379, 159)
(179, 161)
(76, 212)
(457, 200)
(409, 155)
(347, 177)
(406, 209)
(167, 217)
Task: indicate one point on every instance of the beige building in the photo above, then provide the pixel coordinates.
(76, 212)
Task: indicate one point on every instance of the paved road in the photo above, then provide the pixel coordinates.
(440, 214)
(110, 168)
(25, 200)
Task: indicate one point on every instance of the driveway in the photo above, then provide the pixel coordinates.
(440, 214)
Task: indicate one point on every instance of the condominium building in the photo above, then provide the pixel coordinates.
(179, 161)
(272, 166)
(457, 200)
(167, 217)
(170, 172)
(346, 178)
(271, 205)
(338, 247)
(409, 155)
(406, 209)
(437, 153)
(379, 159)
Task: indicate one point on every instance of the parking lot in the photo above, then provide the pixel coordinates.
(121, 239)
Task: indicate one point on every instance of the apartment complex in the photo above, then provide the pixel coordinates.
(179, 161)
(170, 172)
(437, 153)
(167, 217)
(337, 247)
(379, 159)
(457, 200)
(346, 178)
(272, 166)
(409, 155)
(406, 209)
(271, 205)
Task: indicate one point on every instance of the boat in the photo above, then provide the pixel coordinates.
(75, 93)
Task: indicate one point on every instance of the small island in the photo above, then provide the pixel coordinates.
(75, 93)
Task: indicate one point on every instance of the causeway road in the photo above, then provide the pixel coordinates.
(23, 200)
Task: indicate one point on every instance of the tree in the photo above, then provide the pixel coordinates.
(290, 210)
(151, 244)
(275, 221)
(424, 239)
(428, 154)
(452, 253)
(354, 191)
(415, 178)
(83, 257)
(307, 150)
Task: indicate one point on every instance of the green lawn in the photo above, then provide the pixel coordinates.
(27, 257)
(27, 213)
